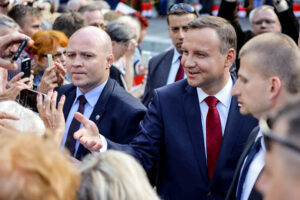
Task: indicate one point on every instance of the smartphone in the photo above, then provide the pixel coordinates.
(50, 60)
(145, 57)
(20, 49)
(27, 98)
(26, 67)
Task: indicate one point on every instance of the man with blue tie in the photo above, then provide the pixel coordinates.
(193, 128)
(268, 77)
(116, 113)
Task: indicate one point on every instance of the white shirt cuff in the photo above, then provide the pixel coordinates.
(103, 148)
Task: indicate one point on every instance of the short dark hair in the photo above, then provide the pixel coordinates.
(119, 32)
(69, 23)
(224, 29)
(19, 12)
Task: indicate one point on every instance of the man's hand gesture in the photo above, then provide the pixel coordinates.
(88, 135)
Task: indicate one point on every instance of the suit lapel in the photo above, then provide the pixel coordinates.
(70, 97)
(100, 106)
(193, 119)
(164, 68)
(98, 112)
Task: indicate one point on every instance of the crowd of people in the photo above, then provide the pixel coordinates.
(217, 117)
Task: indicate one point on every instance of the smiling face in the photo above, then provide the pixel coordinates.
(87, 60)
(251, 87)
(204, 65)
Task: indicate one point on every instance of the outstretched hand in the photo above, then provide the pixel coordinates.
(52, 117)
(88, 135)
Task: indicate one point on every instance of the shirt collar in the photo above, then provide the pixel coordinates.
(260, 134)
(224, 95)
(175, 56)
(93, 95)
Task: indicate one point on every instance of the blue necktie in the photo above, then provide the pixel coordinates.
(253, 151)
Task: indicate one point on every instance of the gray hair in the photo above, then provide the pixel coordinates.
(29, 122)
(263, 7)
(114, 175)
(131, 23)
(7, 22)
(119, 32)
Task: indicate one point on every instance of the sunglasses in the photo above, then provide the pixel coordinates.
(4, 5)
(270, 137)
(183, 6)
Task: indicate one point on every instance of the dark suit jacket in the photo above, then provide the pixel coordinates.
(120, 113)
(171, 134)
(158, 73)
(254, 195)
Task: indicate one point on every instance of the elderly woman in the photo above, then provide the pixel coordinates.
(47, 43)
(114, 175)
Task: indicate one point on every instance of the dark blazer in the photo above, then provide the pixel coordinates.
(120, 113)
(158, 73)
(171, 134)
(254, 195)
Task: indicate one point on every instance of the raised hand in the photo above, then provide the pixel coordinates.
(88, 135)
(52, 117)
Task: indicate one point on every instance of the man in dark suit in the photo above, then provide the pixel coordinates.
(269, 76)
(263, 19)
(115, 112)
(163, 68)
(197, 143)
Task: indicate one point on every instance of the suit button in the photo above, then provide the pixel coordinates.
(208, 193)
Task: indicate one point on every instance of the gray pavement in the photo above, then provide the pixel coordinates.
(157, 39)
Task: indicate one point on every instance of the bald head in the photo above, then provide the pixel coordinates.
(95, 35)
(89, 57)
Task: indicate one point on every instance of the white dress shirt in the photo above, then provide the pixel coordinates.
(174, 67)
(254, 170)
(92, 98)
(224, 97)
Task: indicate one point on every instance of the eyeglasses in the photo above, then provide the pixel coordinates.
(260, 22)
(183, 6)
(4, 5)
(270, 137)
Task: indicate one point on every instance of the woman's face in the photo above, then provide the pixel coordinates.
(58, 54)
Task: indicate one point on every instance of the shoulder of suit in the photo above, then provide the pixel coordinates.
(65, 88)
(162, 55)
(174, 88)
(119, 95)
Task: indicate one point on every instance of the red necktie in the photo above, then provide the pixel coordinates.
(180, 72)
(213, 134)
